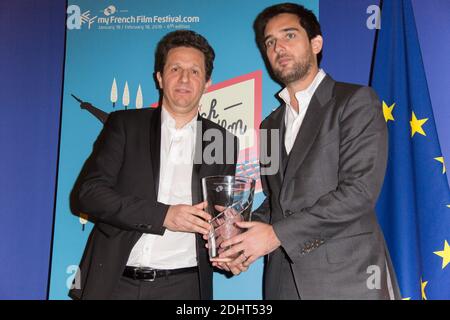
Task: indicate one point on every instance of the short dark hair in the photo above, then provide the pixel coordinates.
(307, 20)
(184, 38)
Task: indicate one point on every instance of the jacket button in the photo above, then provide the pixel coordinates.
(288, 212)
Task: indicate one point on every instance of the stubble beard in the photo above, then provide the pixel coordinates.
(298, 71)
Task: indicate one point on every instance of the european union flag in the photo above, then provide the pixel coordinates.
(414, 206)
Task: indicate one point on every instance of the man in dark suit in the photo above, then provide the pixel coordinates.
(317, 225)
(142, 187)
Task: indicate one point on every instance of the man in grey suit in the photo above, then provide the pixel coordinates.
(317, 225)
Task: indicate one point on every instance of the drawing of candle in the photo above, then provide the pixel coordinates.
(83, 220)
(126, 96)
(139, 99)
(114, 93)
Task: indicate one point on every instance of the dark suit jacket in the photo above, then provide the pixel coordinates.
(321, 203)
(118, 190)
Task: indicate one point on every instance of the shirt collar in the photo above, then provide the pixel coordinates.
(303, 95)
(170, 122)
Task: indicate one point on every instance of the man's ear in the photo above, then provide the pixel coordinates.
(159, 78)
(316, 44)
(207, 85)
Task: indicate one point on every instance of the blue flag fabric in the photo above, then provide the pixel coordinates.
(414, 205)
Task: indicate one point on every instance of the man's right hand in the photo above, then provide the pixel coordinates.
(187, 218)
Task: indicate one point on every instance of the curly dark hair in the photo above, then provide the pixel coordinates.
(184, 38)
(306, 18)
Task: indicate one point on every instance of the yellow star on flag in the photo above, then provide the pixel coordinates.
(416, 125)
(407, 299)
(422, 288)
(387, 111)
(444, 254)
(441, 160)
(448, 206)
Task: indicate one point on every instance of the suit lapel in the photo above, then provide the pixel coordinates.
(155, 145)
(278, 122)
(311, 126)
(198, 161)
(274, 122)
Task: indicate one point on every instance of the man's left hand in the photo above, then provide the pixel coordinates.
(260, 239)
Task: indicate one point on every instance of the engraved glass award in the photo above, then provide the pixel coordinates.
(229, 200)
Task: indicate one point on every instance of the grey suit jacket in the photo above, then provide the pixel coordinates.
(321, 203)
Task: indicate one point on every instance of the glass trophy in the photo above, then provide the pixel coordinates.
(229, 200)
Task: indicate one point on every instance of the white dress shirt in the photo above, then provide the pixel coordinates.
(293, 119)
(173, 249)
